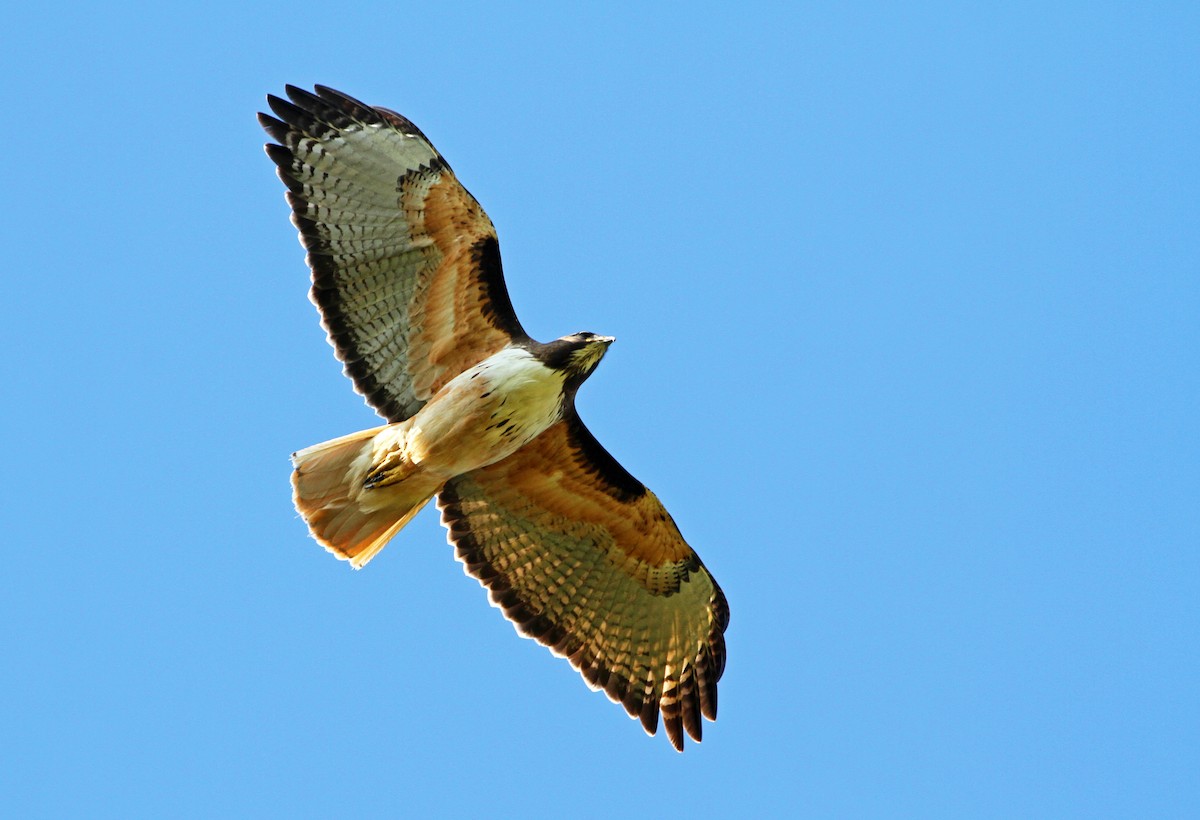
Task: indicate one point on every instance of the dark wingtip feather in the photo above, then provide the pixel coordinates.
(689, 703)
(279, 155)
(292, 115)
(617, 687)
(674, 726)
(277, 129)
(649, 716)
(343, 100)
(300, 96)
(708, 694)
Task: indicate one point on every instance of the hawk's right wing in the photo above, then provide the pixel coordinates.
(585, 560)
(405, 263)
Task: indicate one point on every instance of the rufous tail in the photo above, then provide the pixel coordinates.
(350, 520)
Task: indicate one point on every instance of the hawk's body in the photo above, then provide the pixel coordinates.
(352, 490)
(576, 551)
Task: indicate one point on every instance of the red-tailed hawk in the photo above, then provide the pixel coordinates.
(575, 550)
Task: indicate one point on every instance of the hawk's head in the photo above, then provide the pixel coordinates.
(576, 355)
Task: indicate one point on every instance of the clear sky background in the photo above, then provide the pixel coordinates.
(907, 299)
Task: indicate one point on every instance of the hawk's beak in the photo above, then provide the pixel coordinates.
(607, 339)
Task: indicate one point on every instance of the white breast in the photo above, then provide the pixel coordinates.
(525, 394)
(487, 412)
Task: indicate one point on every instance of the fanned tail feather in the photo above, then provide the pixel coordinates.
(350, 520)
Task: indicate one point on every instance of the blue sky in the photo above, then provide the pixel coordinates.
(906, 302)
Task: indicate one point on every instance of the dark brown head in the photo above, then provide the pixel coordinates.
(577, 354)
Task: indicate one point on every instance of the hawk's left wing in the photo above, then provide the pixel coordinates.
(405, 263)
(584, 559)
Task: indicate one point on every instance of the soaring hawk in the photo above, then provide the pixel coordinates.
(575, 551)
